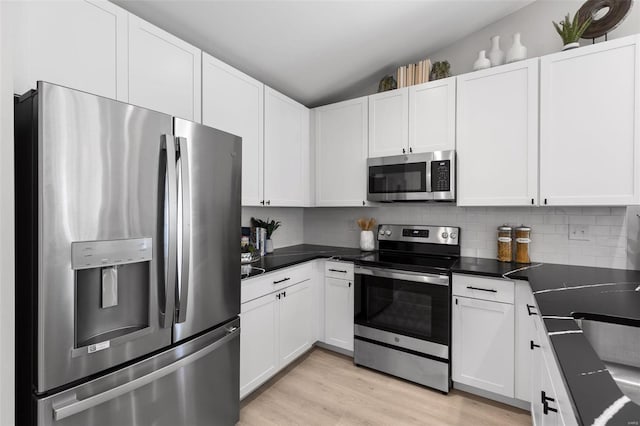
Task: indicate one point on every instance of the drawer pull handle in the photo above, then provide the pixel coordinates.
(342, 271)
(529, 310)
(545, 404)
(490, 290)
(533, 345)
(282, 280)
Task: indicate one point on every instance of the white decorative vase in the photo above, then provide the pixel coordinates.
(517, 52)
(482, 62)
(269, 245)
(367, 242)
(571, 45)
(496, 56)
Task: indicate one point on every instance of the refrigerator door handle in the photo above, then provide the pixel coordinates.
(171, 210)
(185, 230)
(75, 406)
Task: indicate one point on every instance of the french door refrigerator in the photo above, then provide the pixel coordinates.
(127, 263)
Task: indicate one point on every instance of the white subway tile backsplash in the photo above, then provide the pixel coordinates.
(607, 244)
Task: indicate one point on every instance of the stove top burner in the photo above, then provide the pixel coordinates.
(409, 261)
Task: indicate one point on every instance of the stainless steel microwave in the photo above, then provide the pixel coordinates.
(429, 176)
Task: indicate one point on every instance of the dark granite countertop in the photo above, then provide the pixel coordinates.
(562, 291)
(289, 256)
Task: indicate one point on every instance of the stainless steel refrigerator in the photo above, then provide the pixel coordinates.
(128, 266)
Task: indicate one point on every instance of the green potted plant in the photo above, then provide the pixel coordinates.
(571, 30)
(270, 226)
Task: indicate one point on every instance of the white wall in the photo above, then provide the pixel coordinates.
(6, 223)
(533, 22)
(290, 232)
(607, 246)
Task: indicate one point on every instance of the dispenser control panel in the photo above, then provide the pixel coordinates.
(98, 254)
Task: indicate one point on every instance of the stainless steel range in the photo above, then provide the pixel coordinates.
(402, 303)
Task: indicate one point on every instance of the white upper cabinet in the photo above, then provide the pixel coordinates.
(590, 125)
(497, 136)
(286, 150)
(389, 123)
(432, 116)
(234, 102)
(78, 44)
(341, 153)
(164, 71)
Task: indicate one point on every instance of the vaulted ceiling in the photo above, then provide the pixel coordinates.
(318, 52)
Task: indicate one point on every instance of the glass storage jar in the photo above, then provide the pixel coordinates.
(505, 243)
(523, 239)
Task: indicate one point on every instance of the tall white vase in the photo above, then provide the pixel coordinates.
(482, 62)
(496, 56)
(517, 52)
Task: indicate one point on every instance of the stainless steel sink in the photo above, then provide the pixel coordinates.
(618, 346)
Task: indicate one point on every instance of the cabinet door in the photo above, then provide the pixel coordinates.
(295, 318)
(78, 44)
(389, 123)
(234, 102)
(483, 352)
(258, 342)
(590, 125)
(432, 116)
(339, 313)
(341, 153)
(525, 334)
(164, 71)
(285, 164)
(497, 136)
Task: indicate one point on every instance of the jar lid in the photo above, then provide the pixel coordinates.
(504, 228)
(523, 228)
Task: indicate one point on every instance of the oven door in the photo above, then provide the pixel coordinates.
(389, 303)
(400, 178)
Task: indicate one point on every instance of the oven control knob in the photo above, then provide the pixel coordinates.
(387, 232)
(445, 235)
(453, 235)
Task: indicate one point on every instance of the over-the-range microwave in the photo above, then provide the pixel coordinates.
(428, 176)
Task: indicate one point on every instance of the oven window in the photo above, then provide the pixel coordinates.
(405, 307)
(398, 178)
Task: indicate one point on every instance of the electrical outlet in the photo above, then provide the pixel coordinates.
(579, 232)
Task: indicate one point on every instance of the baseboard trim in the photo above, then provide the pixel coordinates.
(514, 402)
(334, 348)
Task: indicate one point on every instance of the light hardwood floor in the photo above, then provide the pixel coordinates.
(325, 388)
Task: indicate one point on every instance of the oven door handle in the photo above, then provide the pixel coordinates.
(418, 277)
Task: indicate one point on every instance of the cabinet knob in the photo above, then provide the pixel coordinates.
(545, 201)
(363, 203)
(349, 284)
(262, 202)
(533, 345)
(284, 294)
(532, 203)
(529, 307)
(403, 151)
(410, 149)
(268, 202)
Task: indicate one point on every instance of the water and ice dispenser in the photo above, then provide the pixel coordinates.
(112, 286)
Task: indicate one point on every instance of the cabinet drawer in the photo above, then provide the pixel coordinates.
(253, 288)
(496, 290)
(340, 270)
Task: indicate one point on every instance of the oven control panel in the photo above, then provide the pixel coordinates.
(420, 234)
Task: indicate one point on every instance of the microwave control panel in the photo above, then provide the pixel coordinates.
(441, 175)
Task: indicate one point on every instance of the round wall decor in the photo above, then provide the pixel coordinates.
(605, 14)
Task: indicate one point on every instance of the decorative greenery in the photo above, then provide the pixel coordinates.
(441, 69)
(387, 83)
(571, 31)
(269, 225)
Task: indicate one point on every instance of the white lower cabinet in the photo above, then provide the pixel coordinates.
(339, 313)
(258, 342)
(483, 344)
(275, 329)
(525, 335)
(550, 402)
(294, 322)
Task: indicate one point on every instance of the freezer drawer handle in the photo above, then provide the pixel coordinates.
(78, 406)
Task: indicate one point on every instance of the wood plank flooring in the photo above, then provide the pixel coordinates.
(325, 388)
